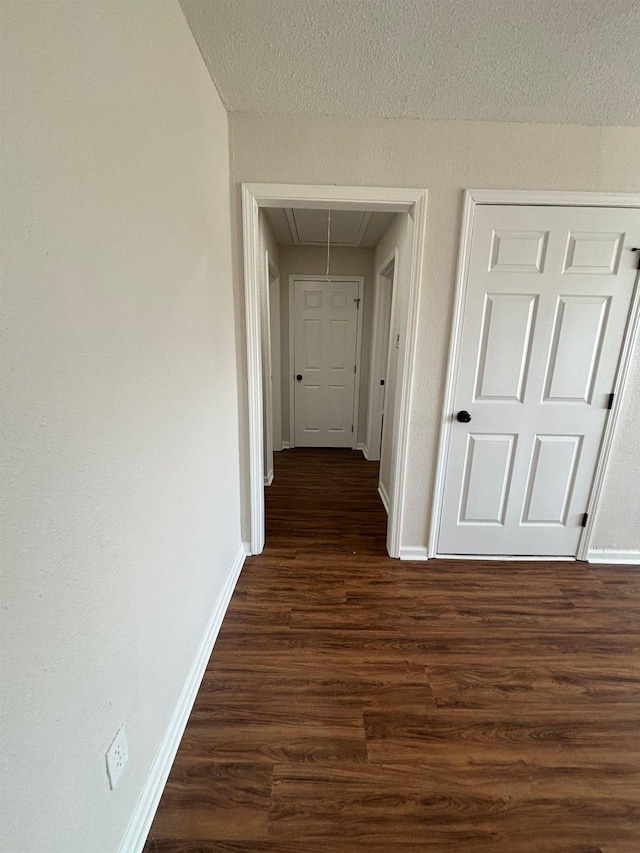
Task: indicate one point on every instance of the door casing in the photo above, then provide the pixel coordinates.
(472, 199)
(396, 200)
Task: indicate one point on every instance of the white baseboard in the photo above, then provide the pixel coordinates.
(414, 552)
(144, 812)
(505, 558)
(384, 497)
(285, 445)
(626, 558)
(361, 445)
(269, 478)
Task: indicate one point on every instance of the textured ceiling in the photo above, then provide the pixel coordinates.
(548, 61)
(308, 227)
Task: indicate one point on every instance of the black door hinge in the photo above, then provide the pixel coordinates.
(351, 427)
(584, 519)
(637, 249)
(610, 400)
(382, 381)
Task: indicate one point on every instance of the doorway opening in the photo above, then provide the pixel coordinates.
(332, 330)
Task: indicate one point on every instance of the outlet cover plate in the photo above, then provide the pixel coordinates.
(117, 757)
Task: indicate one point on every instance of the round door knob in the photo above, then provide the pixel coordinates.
(299, 377)
(463, 417)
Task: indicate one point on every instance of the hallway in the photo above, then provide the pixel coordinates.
(357, 703)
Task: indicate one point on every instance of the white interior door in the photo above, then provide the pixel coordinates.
(383, 385)
(276, 381)
(267, 384)
(378, 356)
(325, 315)
(548, 294)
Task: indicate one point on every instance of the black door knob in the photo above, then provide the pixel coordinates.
(463, 417)
(299, 377)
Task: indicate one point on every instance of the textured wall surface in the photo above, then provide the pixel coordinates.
(446, 157)
(120, 472)
(574, 61)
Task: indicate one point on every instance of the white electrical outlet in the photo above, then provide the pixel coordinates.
(117, 757)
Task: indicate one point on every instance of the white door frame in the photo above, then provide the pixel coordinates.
(267, 468)
(472, 199)
(379, 336)
(271, 274)
(292, 337)
(276, 354)
(254, 196)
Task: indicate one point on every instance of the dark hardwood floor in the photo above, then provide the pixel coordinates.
(355, 703)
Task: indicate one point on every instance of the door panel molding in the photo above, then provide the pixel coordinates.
(390, 199)
(472, 199)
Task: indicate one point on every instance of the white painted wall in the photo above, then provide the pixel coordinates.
(269, 242)
(120, 474)
(446, 157)
(310, 260)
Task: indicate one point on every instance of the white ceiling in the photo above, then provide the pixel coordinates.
(548, 61)
(356, 228)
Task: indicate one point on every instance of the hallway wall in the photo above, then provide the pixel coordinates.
(120, 434)
(445, 158)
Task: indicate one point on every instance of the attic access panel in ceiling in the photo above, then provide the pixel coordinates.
(349, 228)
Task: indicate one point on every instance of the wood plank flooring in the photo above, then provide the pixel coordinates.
(355, 703)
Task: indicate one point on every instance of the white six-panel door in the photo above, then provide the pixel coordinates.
(325, 315)
(548, 294)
